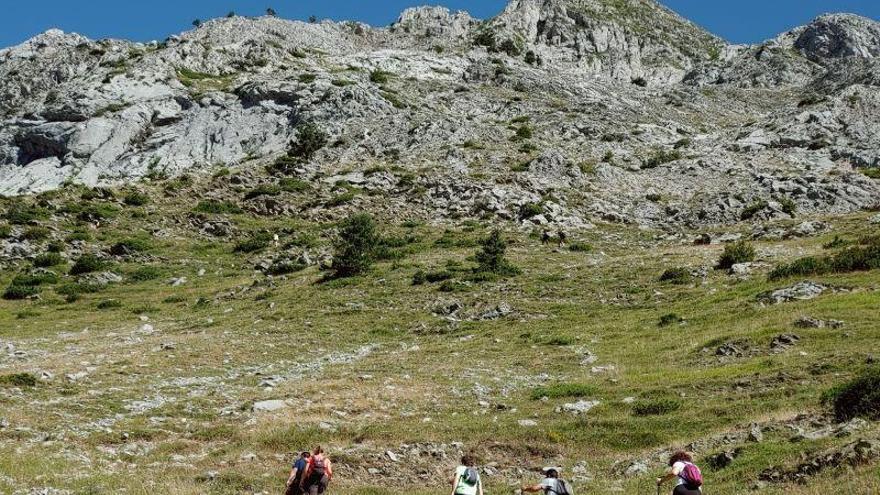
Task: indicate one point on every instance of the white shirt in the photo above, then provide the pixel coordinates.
(677, 469)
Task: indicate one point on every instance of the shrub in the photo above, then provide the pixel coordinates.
(530, 210)
(523, 132)
(87, 263)
(293, 185)
(284, 268)
(564, 390)
(218, 207)
(256, 242)
(307, 78)
(490, 258)
(788, 206)
(129, 246)
(677, 275)
(22, 214)
(669, 319)
(135, 198)
(661, 157)
(36, 233)
(109, 304)
(78, 236)
(354, 250)
(873, 173)
(263, 190)
(310, 140)
(859, 398)
(379, 76)
(5, 231)
(18, 380)
(419, 277)
(34, 279)
(580, 247)
(753, 209)
(145, 273)
(837, 242)
(18, 292)
(46, 260)
(655, 407)
(737, 252)
(863, 257)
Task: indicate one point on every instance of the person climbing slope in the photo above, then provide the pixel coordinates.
(552, 484)
(466, 480)
(318, 473)
(294, 481)
(689, 477)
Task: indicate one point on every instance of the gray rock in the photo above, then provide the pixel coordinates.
(808, 322)
(579, 407)
(801, 291)
(268, 406)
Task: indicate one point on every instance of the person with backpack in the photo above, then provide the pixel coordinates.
(318, 473)
(294, 481)
(682, 467)
(552, 484)
(467, 478)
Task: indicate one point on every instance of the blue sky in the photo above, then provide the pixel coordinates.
(739, 21)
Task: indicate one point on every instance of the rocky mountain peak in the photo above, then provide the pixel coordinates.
(45, 43)
(434, 21)
(839, 36)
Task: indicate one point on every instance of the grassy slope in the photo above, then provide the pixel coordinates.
(231, 327)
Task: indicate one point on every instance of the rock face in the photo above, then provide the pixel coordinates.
(619, 111)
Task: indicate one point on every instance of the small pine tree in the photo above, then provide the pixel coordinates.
(311, 138)
(231, 14)
(312, 19)
(271, 12)
(490, 258)
(197, 22)
(355, 247)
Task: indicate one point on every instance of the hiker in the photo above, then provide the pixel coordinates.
(467, 479)
(562, 237)
(318, 473)
(545, 237)
(552, 484)
(294, 481)
(690, 479)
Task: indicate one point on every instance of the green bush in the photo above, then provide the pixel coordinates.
(529, 210)
(263, 190)
(18, 292)
(145, 273)
(419, 277)
(735, 253)
(256, 242)
(564, 390)
(135, 198)
(873, 173)
(5, 231)
(380, 76)
(289, 184)
(87, 263)
(307, 78)
(862, 257)
(23, 214)
(35, 278)
(490, 258)
(26, 380)
(655, 407)
(212, 206)
(284, 268)
(678, 275)
(753, 209)
(523, 132)
(46, 260)
(859, 398)
(788, 206)
(78, 236)
(130, 246)
(669, 319)
(73, 292)
(580, 247)
(354, 250)
(310, 140)
(661, 157)
(36, 233)
(109, 304)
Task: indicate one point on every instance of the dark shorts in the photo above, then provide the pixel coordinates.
(686, 490)
(316, 485)
(294, 489)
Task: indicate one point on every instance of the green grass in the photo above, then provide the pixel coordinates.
(427, 379)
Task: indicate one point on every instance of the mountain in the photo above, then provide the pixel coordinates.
(590, 108)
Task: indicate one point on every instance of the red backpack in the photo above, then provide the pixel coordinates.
(691, 475)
